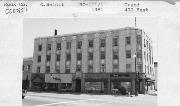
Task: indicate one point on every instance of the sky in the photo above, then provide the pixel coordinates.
(41, 27)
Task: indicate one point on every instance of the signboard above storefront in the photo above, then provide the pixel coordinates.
(58, 78)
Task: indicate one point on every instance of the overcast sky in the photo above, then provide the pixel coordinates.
(45, 27)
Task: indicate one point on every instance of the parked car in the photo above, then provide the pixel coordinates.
(24, 93)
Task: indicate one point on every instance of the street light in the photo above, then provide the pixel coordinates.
(136, 82)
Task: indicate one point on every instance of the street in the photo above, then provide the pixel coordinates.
(55, 99)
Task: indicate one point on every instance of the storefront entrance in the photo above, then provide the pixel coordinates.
(78, 85)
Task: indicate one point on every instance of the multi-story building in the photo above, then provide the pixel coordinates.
(96, 61)
(27, 69)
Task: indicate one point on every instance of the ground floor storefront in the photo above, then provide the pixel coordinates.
(90, 82)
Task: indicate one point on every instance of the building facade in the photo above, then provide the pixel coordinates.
(27, 69)
(97, 61)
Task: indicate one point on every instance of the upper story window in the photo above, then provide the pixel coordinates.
(144, 43)
(90, 43)
(68, 45)
(115, 41)
(78, 68)
(40, 47)
(79, 56)
(90, 56)
(147, 44)
(79, 44)
(67, 70)
(103, 42)
(58, 57)
(128, 53)
(68, 56)
(39, 59)
(47, 69)
(38, 70)
(48, 57)
(103, 56)
(115, 55)
(49, 46)
(128, 68)
(28, 67)
(58, 46)
(139, 38)
(128, 40)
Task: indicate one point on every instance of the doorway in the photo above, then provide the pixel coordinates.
(78, 85)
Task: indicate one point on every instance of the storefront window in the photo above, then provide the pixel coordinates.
(66, 85)
(94, 86)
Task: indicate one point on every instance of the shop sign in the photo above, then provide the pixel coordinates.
(119, 75)
(58, 78)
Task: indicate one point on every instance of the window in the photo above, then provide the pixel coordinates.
(103, 55)
(139, 39)
(79, 56)
(48, 57)
(128, 40)
(139, 55)
(67, 70)
(115, 41)
(78, 68)
(79, 44)
(115, 55)
(58, 57)
(28, 67)
(90, 43)
(90, 56)
(49, 46)
(90, 68)
(57, 69)
(128, 53)
(68, 45)
(103, 43)
(39, 58)
(128, 67)
(68, 56)
(144, 43)
(47, 69)
(58, 46)
(38, 69)
(140, 67)
(103, 68)
(147, 44)
(39, 47)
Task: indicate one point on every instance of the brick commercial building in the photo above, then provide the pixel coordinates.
(96, 61)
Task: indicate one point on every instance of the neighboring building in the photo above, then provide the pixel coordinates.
(27, 69)
(96, 61)
(156, 73)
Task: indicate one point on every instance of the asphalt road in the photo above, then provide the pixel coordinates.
(53, 99)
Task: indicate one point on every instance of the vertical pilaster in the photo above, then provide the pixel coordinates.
(84, 54)
(96, 67)
(122, 55)
(63, 56)
(53, 55)
(109, 52)
(73, 55)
